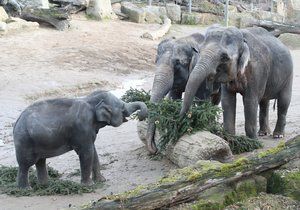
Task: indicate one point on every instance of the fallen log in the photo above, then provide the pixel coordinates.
(154, 35)
(55, 17)
(275, 28)
(175, 190)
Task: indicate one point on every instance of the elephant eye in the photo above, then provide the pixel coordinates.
(224, 57)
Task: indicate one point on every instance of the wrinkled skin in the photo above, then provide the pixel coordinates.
(251, 62)
(52, 127)
(174, 63)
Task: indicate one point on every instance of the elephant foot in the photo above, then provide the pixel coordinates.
(87, 183)
(277, 136)
(25, 187)
(263, 133)
(99, 178)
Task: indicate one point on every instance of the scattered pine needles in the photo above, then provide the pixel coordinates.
(55, 185)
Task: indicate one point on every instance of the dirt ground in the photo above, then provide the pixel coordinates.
(93, 55)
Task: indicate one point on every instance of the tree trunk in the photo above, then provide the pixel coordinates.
(189, 188)
(153, 35)
(275, 28)
(55, 17)
(100, 9)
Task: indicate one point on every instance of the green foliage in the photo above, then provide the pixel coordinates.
(171, 126)
(207, 205)
(245, 190)
(132, 95)
(275, 184)
(55, 186)
(202, 116)
(286, 183)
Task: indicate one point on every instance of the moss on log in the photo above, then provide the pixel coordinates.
(187, 184)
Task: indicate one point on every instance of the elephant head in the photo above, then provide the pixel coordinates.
(224, 56)
(109, 110)
(173, 61)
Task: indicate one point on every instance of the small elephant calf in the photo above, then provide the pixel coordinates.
(52, 127)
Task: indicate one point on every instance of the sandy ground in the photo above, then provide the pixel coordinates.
(92, 55)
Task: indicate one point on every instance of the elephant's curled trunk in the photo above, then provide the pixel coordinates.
(134, 106)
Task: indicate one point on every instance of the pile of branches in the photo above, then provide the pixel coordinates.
(202, 116)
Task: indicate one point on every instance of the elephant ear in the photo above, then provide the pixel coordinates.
(103, 112)
(244, 59)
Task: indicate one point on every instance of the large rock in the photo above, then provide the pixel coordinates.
(100, 9)
(135, 13)
(174, 12)
(199, 146)
(3, 15)
(154, 14)
(199, 18)
(191, 148)
(18, 24)
(3, 28)
(43, 4)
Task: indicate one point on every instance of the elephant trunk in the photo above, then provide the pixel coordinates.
(134, 106)
(163, 82)
(207, 64)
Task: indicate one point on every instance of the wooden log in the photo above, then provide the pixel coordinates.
(275, 28)
(154, 35)
(55, 17)
(170, 192)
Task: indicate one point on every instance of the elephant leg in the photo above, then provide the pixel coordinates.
(23, 176)
(229, 110)
(97, 176)
(86, 158)
(264, 118)
(25, 159)
(175, 94)
(283, 103)
(250, 111)
(42, 173)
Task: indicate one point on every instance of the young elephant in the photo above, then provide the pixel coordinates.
(52, 127)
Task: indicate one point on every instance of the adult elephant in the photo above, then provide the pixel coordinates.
(251, 62)
(52, 127)
(174, 62)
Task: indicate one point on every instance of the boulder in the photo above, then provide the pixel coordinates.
(174, 12)
(43, 4)
(200, 18)
(154, 14)
(18, 24)
(3, 28)
(135, 13)
(189, 149)
(100, 9)
(3, 14)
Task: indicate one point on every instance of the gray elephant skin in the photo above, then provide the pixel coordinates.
(251, 62)
(174, 62)
(52, 127)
